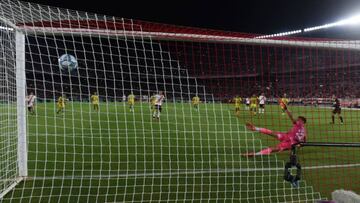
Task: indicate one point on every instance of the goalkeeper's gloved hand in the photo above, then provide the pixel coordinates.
(282, 104)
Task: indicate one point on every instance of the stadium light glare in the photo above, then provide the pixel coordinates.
(6, 28)
(349, 21)
(279, 34)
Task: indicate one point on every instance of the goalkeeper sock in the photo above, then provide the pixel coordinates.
(333, 119)
(341, 119)
(266, 151)
(263, 130)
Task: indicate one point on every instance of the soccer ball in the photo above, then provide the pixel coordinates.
(68, 62)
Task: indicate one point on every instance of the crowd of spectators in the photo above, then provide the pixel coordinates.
(183, 69)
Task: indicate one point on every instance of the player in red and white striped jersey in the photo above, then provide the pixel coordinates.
(262, 101)
(159, 99)
(30, 102)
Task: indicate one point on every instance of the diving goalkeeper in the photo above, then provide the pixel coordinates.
(294, 136)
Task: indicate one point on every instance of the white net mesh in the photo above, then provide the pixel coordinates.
(79, 154)
(8, 129)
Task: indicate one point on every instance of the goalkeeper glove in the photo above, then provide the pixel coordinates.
(282, 104)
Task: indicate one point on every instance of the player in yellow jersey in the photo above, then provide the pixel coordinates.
(131, 101)
(95, 101)
(237, 101)
(195, 102)
(253, 104)
(284, 100)
(152, 103)
(60, 104)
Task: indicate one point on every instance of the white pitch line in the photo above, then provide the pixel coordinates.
(331, 166)
(186, 172)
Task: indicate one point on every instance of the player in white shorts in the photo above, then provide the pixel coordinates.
(247, 103)
(159, 99)
(30, 102)
(262, 101)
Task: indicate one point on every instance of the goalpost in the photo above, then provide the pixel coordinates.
(13, 141)
(71, 151)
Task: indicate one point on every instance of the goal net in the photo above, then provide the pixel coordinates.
(105, 109)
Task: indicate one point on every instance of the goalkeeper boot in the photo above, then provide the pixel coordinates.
(250, 126)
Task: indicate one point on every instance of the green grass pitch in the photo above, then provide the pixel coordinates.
(188, 156)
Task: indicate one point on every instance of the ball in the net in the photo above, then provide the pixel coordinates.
(68, 62)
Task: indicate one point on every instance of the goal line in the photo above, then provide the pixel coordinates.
(188, 172)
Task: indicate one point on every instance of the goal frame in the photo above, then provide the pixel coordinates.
(22, 156)
(20, 36)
